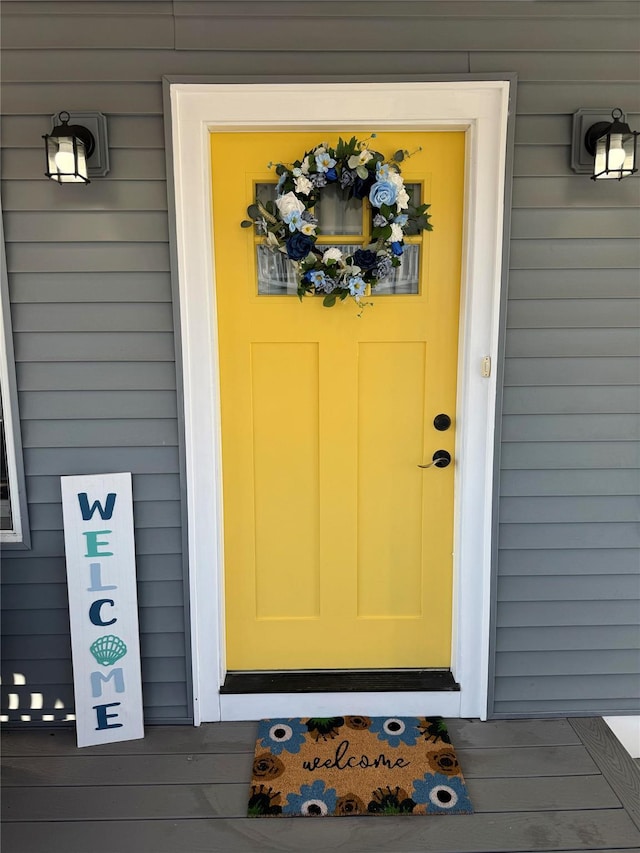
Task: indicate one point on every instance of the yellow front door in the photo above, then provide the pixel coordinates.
(337, 546)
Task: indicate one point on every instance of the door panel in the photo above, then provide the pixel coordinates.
(337, 546)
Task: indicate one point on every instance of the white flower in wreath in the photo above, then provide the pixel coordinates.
(332, 254)
(308, 228)
(402, 199)
(271, 240)
(360, 159)
(394, 177)
(397, 235)
(303, 185)
(288, 203)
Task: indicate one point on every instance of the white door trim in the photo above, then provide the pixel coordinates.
(481, 108)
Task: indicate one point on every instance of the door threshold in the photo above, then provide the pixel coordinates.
(340, 681)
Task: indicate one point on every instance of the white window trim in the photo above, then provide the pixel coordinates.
(18, 535)
(480, 107)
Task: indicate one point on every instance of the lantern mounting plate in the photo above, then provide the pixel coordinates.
(96, 124)
(588, 127)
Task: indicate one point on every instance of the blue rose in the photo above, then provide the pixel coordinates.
(365, 259)
(331, 174)
(397, 248)
(383, 192)
(298, 246)
(347, 177)
(383, 266)
(361, 186)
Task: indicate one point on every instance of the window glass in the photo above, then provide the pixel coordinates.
(6, 522)
(337, 216)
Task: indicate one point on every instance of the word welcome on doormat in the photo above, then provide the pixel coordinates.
(355, 765)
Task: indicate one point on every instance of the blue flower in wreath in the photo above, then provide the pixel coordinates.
(331, 174)
(384, 266)
(396, 730)
(313, 800)
(294, 220)
(361, 186)
(347, 178)
(365, 259)
(397, 248)
(401, 219)
(383, 192)
(442, 794)
(356, 285)
(282, 735)
(298, 246)
(324, 162)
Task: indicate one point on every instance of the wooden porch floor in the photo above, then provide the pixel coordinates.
(537, 785)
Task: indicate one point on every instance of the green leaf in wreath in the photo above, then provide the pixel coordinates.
(399, 156)
(246, 223)
(329, 301)
(254, 211)
(280, 169)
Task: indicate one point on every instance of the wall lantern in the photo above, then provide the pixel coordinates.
(606, 149)
(78, 151)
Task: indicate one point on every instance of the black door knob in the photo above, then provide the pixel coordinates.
(442, 422)
(441, 458)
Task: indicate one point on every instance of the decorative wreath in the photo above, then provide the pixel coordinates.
(289, 226)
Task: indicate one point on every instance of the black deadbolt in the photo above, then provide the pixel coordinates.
(441, 458)
(442, 422)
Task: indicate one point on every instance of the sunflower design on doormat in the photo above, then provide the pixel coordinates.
(356, 765)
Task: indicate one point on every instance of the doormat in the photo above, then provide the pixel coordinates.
(344, 766)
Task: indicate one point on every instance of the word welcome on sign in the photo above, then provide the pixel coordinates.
(103, 609)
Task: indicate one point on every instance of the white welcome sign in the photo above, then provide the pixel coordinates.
(103, 609)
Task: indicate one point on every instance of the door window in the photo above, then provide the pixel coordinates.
(346, 225)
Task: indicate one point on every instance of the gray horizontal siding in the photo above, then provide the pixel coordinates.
(529, 455)
(423, 33)
(112, 194)
(583, 224)
(556, 510)
(527, 639)
(94, 322)
(153, 593)
(149, 567)
(71, 405)
(24, 131)
(573, 284)
(562, 563)
(566, 342)
(89, 374)
(147, 514)
(602, 481)
(55, 227)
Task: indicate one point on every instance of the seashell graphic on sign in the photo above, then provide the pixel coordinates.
(108, 649)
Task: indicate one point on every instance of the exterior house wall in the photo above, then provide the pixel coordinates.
(93, 318)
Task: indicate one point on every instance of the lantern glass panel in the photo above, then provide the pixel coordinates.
(615, 156)
(66, 160)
